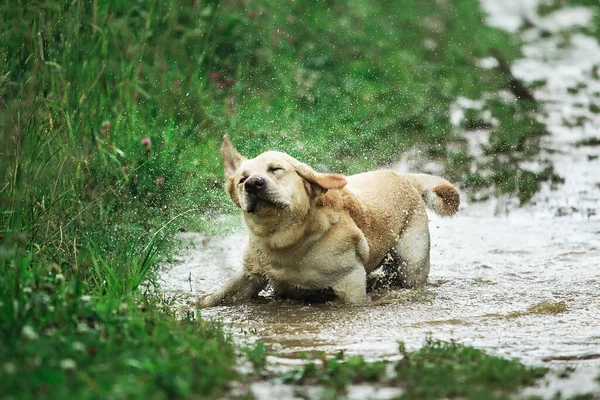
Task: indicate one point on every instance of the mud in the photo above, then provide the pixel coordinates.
(516, 286)
(488, 276)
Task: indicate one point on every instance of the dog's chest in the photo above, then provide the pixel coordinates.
(295, 272)
(300, 269)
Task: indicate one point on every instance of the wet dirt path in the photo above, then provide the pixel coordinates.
(519, 282)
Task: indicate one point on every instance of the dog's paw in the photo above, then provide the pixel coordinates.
(210, 300)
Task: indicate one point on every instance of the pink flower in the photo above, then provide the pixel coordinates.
(160, 180)
(215, 75)
(221, 85)
(252, 14)
(147, 142)
(105, 128)
(230, 81)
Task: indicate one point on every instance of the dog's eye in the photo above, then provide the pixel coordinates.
(243, 179)
(273, 169)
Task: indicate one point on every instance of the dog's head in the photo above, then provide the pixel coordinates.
(274, 183)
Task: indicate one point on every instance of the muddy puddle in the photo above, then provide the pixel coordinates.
(518, 282)
(518, 286)
(522, 287)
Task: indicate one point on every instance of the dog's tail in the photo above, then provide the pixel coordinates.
(438, 193)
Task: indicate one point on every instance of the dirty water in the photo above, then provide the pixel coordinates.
(518, 282)
(515, 286)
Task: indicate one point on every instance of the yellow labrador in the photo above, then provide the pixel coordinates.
(311, 230)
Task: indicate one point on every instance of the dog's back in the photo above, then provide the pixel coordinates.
(388, 200)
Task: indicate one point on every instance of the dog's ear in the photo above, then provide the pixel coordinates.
(319, 182)
(231, 158)
(230, 189)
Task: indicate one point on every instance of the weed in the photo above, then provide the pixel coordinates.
(257, 355)
(437, 370)
(592, 141)
(336, 372)
(450, 370)
(537, 84)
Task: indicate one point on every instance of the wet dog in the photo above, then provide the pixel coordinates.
(312, 230)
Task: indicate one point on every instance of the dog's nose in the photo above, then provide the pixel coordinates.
(254, 184)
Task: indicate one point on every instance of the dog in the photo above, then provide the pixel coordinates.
(312, 230)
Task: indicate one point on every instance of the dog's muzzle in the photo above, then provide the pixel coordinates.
(256, 194)
(254, 184)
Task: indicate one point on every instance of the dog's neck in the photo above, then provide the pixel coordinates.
(277, 235)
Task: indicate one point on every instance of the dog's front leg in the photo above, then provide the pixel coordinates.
(352, 287)
(242, 286)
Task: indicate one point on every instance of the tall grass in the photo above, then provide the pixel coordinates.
(86, 207)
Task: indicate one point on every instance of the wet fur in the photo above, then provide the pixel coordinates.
(322, 231)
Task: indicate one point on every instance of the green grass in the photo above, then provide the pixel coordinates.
(59, 343)
(111, 116)
(592, 141)
(336, 373)
(435, 371)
